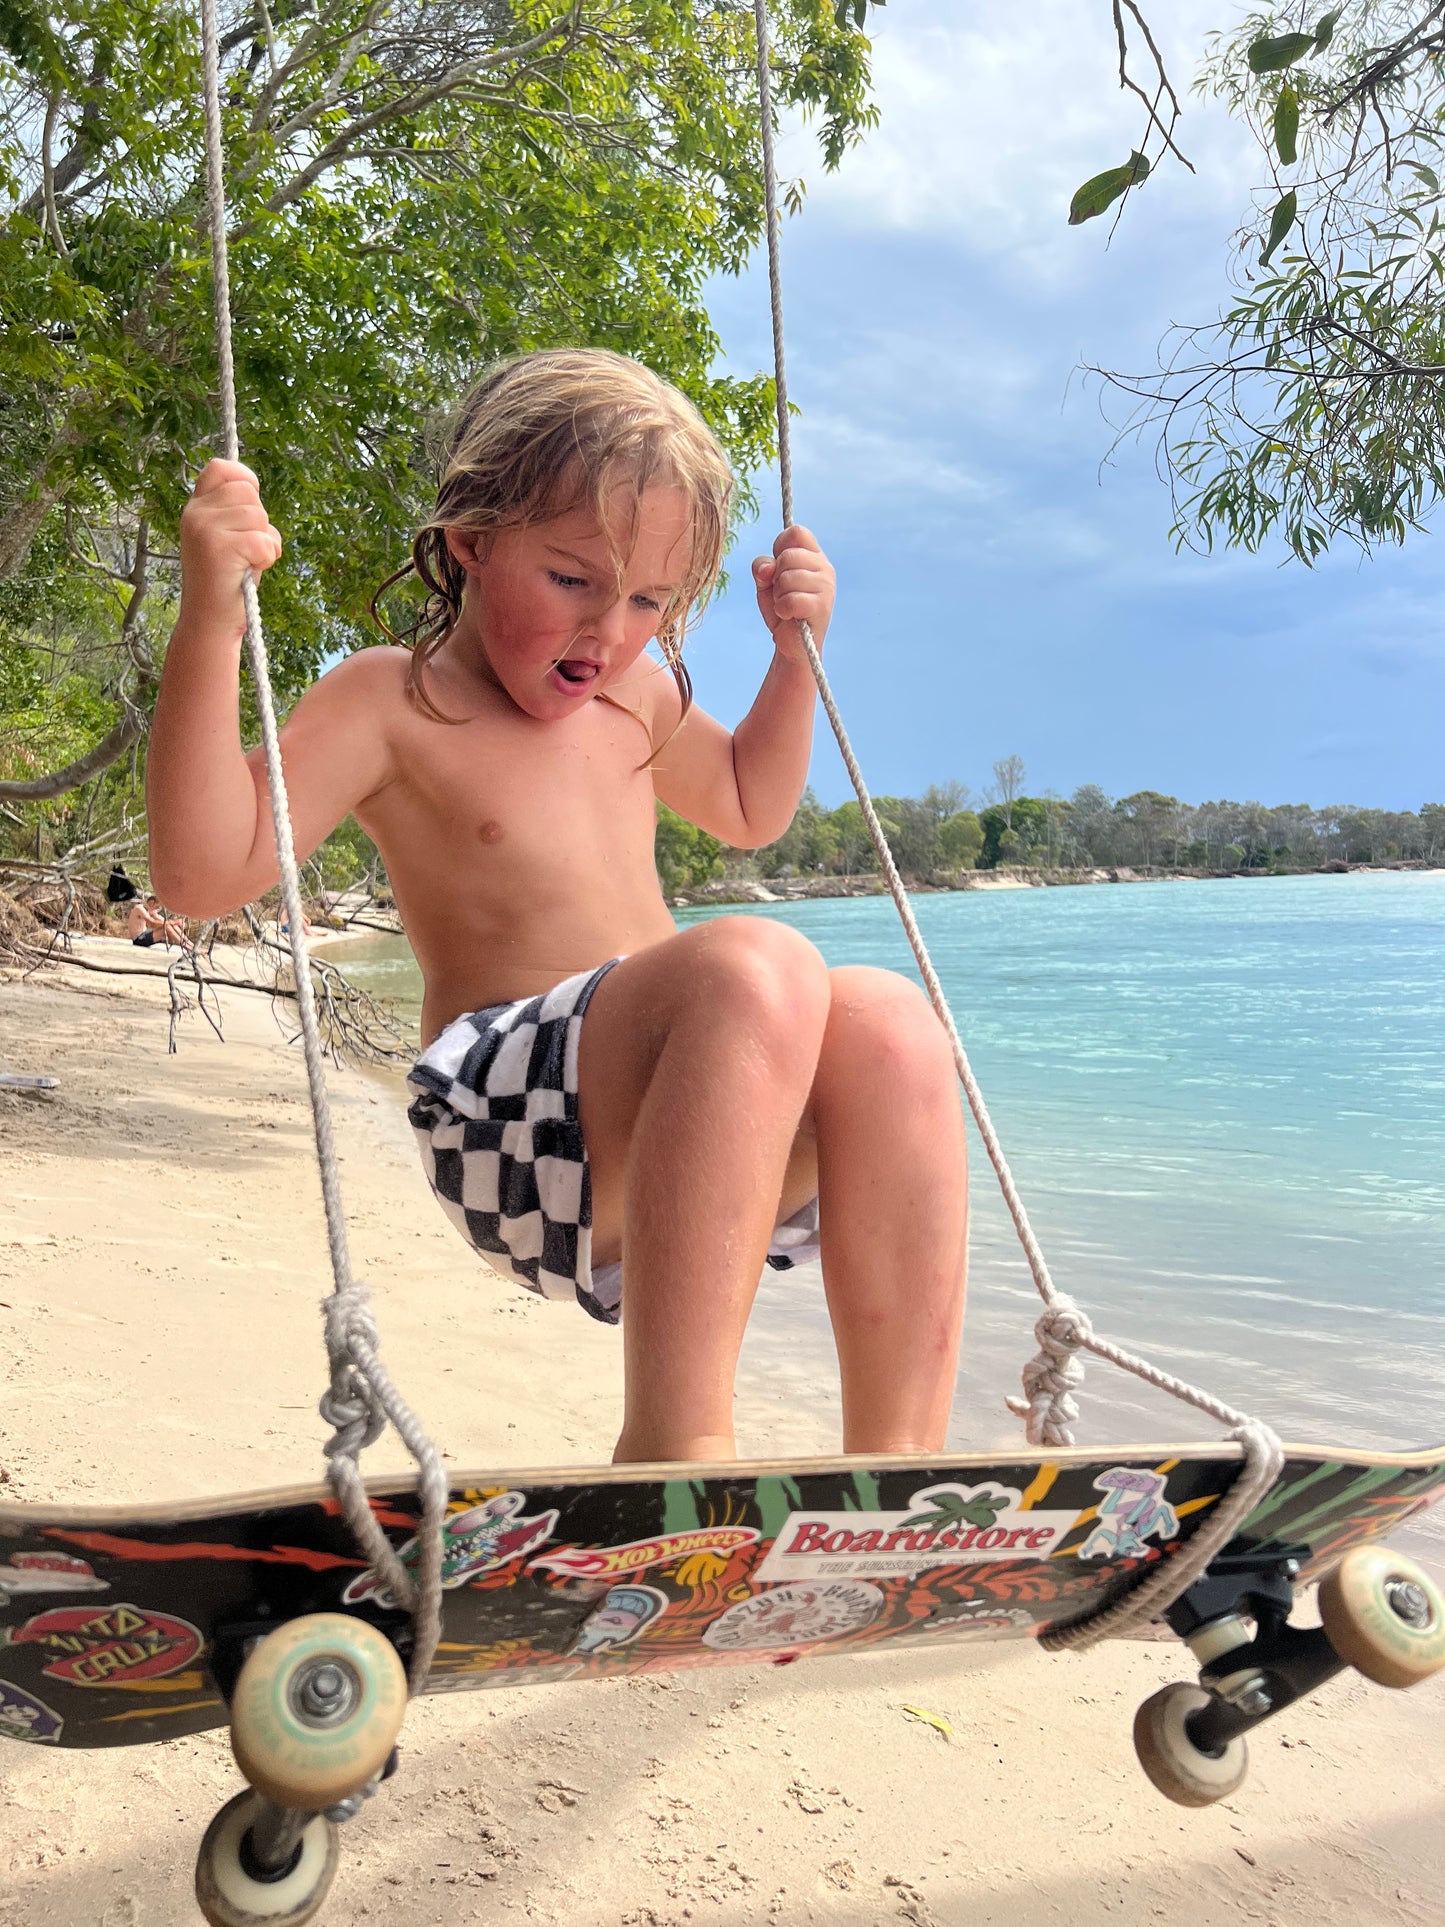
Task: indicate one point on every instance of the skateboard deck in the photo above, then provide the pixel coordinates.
(128, 1625)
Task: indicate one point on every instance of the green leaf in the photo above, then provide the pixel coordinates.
(1325, 31)
(1280, 223)
(1286, 125)
(1104, 189)
(1273, 56)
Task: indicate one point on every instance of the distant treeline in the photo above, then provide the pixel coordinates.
(942, 832)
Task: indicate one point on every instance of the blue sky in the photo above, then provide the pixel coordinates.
(999, 593)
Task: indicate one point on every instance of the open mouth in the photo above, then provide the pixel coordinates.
(577, 672)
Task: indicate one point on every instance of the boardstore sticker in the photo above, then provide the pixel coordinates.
(32, 1572)
(795, 1615)
(667, 1548)
(109, 1647)
(476, 1540)
(942, 1525)
(23, 1717)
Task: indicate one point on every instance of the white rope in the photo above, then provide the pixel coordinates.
(1051, 1377)
(361, 1397)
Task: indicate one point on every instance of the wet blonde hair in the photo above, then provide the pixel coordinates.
(547, 433)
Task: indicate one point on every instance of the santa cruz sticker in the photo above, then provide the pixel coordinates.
(943, 1525)
(616, 1562)
(475, 1540)
(1132, 1510)
(109, 1647)
(795, 1616)
(46, 1572)
(23, 1717)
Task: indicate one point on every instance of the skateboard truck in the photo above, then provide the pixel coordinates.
(1380, 1613)
(315, 1710)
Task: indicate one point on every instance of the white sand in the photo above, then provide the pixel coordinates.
(161, 1262)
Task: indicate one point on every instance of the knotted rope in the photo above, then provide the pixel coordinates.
(1051, 1377)
(361, 1397)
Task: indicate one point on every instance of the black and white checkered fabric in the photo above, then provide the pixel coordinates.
(496, 1118)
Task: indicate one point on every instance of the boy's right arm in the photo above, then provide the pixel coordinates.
(208, 801)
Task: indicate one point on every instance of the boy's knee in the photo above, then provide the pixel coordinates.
(891, 1021)
(764, 976)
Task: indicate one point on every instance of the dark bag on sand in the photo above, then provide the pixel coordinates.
(118, 886)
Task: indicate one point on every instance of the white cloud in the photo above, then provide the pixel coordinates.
(988, 128)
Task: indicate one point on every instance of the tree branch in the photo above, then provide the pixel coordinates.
(561, 34)
(134, 716)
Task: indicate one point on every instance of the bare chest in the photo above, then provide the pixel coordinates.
(509, 805)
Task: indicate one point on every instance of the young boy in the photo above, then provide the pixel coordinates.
(601, 1098)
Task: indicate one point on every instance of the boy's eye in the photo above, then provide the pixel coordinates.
(648, 602)
(567, 581)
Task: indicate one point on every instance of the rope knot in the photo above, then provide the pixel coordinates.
(1051, 1377)
(351, 1405)
(349, 1323)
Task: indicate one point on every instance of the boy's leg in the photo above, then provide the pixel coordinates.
(696, 1061)
(893, 1197)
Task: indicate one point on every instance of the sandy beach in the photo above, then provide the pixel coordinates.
(162, 1259)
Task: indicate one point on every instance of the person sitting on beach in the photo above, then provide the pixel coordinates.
(611, 1111)
(147, 921)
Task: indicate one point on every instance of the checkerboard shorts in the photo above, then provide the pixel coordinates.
(497, 1123)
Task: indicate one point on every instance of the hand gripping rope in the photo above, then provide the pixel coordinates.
(1063, 1330)
(361, 1397)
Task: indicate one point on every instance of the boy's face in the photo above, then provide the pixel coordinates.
(554, 629)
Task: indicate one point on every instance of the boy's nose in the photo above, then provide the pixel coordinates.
(609, 624)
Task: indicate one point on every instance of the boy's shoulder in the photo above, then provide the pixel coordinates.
(384, 666)
(372, 681)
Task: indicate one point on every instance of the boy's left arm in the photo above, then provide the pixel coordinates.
(743, 785)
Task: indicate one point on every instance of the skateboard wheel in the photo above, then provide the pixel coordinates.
(317, 1709)
(230, 1894)
(1385, 1616)
(1180, 1770)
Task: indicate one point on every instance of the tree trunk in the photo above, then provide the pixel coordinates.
(18, 530)
(111, 747)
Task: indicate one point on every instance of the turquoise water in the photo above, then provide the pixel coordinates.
(1224, 1104)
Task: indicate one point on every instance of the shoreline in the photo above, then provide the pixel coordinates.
(162, 1256)
(869, 883)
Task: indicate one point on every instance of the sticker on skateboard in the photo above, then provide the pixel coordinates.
(582, 1574)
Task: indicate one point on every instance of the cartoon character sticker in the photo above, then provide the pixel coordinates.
(619, 1618)
(796, 1615)
(27, 1572)
(23, 1717)
(1132, 1510)
(110, 1647)
(475, 1540)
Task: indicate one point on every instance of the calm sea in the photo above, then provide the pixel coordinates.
(1224, 1104)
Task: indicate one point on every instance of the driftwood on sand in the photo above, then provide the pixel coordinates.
(47, 908)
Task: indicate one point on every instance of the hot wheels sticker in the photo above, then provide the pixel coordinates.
(111, 1647)
(46, 1572)
(619, 1618)
(945, 1525)
(796, 1615)
(616, 1562)
(476, 1540)
(1132, 1510)
(23, 1717)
